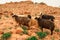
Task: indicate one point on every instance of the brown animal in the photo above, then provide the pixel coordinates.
(43, 23)
(22, 20)
(48, 17)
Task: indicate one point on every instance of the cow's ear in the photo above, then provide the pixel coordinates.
(12, 14)
(29, 16)
(41, 14)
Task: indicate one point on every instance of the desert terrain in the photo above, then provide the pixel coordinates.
(8, 24)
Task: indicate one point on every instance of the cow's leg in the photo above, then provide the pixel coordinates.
(51, 32)
(41, 29)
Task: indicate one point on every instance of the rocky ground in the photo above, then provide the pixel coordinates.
(8, 24)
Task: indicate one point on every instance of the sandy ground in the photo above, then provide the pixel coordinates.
(25, 8)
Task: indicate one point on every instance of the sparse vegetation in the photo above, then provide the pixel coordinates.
(7, 16)
(42, 34)
(47, 32)
(24, 8)
(24, 27)
(10, 28)
(32, 38)
(5, 36)
(25, 32)
(57, 30)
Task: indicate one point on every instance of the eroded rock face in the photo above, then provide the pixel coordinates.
(28, 6)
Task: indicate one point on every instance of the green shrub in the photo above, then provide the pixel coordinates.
(57, 30)
(25, 32)
(32, 38)
(5, 36)
(23, 27)
(41, 34)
